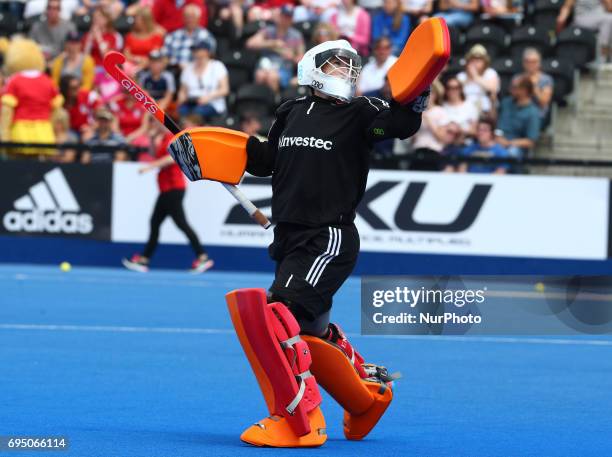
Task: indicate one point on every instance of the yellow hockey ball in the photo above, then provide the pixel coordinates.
(65, 266)
(539, 287)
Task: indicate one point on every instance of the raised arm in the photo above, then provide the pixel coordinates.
(392, 120)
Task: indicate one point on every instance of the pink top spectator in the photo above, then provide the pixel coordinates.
(354, 25)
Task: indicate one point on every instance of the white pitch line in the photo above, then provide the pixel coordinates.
(114, 329)
(219, 331)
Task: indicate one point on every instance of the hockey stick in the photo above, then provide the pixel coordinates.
(186, 159)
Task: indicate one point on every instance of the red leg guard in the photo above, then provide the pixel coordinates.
(280, 359)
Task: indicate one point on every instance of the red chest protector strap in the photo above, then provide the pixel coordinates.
(280, 359)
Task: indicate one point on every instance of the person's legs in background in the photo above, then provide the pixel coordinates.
(457, 18)
(177, 213)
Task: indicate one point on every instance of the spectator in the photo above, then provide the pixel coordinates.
(113, 8)
(131, 119)
(177, 45)
(281, 47)
(372, 77)
(74, 62)
(485, 146)
(204, 84)
(454, 144)
(50, 32)
(250, 124)
(35, 8)
(543, 83)
(458, 109)
(13, 7)
(135, 5)
(228, 12)
(146, 36)
(315, 10)
(480, 81)
(353, 23)
(63, 135)
(418, 10)
(458, 13)
(591, 14)
(101, 37)
(158, 82)
(496, 8)
(265, 10)
(104, 135)
(323, 32)
(392, 23)
(80, 104)
(433, 135)
(170, 14)
(519, 118)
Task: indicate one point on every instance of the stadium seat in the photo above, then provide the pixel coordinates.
(82, 22)
(455, 65)
(222, 28)
(258, 99)
(506, 68)
(562, 71)
(30, 21)
(576, 44)
(240, 65)
(306, 28)
(239, 77)
(530, 37)
(457, 40)
(292, 92)
(9, 25)
(491, 36)
(228, 121)
(224, 47)
(250, 29)
(123, 24)
(545, 14)
(266, 124)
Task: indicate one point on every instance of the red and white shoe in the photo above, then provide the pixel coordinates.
(201, 264)
(136, 263)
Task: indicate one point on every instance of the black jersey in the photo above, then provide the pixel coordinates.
(318, 154)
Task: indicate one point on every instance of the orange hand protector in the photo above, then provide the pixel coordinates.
(423, 58)
(220, 152)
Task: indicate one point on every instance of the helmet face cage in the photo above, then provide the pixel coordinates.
(340, 63)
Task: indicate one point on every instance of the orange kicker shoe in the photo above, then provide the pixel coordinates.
(356, 427)
(274, 431)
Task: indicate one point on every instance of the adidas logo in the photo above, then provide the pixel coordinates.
(49, 206)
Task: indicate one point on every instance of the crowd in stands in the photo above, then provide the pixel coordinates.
(230, 62)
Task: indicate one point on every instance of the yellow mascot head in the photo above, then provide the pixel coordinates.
(23, 54)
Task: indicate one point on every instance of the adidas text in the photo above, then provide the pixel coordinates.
(49, 221)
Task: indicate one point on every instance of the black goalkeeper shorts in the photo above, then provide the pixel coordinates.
(311, 265)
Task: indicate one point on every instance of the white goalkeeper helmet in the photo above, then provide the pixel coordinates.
(342, 66)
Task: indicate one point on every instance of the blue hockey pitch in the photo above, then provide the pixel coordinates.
(127, 364)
